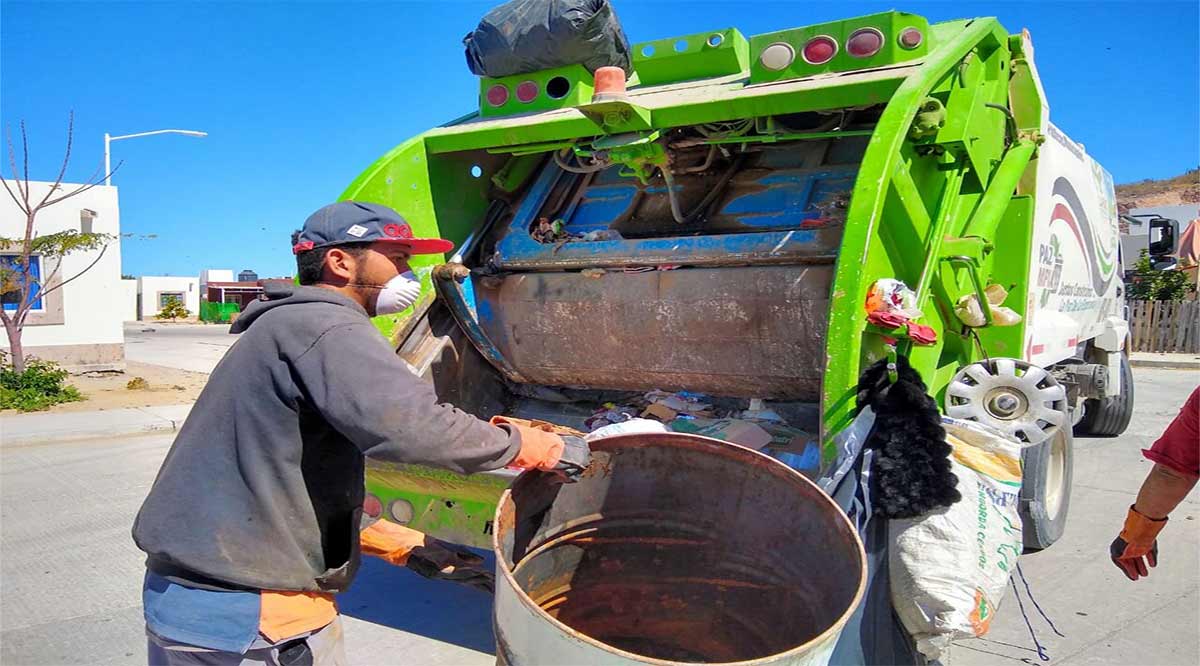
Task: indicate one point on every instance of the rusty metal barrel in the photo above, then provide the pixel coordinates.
(673, 549)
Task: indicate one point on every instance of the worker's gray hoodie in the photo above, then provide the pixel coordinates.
(263, 487)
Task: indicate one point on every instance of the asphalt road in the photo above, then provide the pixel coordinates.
(195, 347)
(70, 576)
(1107, 619)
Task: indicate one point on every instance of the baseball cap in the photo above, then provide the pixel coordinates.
(358, 222)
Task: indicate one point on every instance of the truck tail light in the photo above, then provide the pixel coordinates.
(820, 50)
(777, 56)
(372, 506)
(911, 38)
(497, 95)
(864, 43)
(527, 91)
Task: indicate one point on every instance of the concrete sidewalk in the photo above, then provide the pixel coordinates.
(1165, 360)
(34, 428)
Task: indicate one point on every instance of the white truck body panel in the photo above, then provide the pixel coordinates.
(1076, 292)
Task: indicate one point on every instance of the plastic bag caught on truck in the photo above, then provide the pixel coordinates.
(523, 36)
(949, 568)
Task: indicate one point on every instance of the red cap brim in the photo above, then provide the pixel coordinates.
(421, 245)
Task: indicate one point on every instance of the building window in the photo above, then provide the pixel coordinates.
(11, 265)
(165, 297)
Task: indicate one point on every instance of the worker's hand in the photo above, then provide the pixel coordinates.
(574, 460)
(439, 560)
(430, 557)
(1135, 550)
(563, 455)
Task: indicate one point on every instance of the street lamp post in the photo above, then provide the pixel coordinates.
(109, 139)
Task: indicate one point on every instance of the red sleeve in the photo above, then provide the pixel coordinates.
(1179, 445)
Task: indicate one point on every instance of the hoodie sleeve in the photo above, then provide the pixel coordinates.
(370, 396)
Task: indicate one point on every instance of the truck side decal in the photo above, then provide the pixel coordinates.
(1100, 263)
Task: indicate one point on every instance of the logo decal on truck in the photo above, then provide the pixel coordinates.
(1101, 264)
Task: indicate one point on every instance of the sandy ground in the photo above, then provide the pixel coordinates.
(167, 386)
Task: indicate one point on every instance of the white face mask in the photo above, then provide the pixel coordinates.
(398, 294)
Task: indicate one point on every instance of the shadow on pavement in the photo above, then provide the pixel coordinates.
(396, 597)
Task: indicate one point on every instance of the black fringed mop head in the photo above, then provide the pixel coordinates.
(911, 473)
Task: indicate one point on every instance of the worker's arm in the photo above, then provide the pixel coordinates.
(356, 381)
(1162, 491)
(430, 557)
(1176, 457)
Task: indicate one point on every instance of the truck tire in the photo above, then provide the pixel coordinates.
(1109, 417)
(1046, 489)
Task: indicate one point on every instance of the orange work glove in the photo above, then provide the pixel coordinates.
(549, 448)
(1138, 539)
(430, 557)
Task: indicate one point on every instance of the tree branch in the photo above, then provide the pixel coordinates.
(25, 157)
(60, 285)
(80, 190)
(66, 159)
(17, 201)
(12, 162)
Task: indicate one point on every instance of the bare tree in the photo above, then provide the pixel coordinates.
(17, 276)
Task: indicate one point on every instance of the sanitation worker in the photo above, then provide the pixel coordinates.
(1176, 458)
(254, 522)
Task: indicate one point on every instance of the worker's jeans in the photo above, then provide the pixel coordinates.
(323, 647)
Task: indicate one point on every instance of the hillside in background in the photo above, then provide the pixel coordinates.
(1182, 189)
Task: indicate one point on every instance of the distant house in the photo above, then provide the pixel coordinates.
(242, 293)
(218, 287)
(80, 324)
(155, 291)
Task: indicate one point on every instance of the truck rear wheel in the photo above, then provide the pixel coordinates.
(1046, 489)
(1109, 417)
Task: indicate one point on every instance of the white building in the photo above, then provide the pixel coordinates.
(77, 323)
(129, 299)
(215, 275)
(155, 291)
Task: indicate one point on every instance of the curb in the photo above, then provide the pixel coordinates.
(93, 433)
(155, 423)
(1164, 364)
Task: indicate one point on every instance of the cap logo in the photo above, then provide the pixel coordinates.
(397, 231)
(357, 230)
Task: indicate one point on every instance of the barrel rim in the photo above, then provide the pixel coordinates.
(766, 462)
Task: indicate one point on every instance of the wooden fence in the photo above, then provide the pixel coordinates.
(1165, 326)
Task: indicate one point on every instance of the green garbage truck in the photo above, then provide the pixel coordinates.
(717, 220)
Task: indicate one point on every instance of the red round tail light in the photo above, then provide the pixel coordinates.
(864, 43)
(819, 50)
(527, 91)
(911, 38)
(372, 506)
(497, 95)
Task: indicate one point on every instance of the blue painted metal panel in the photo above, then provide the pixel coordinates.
(777, 218)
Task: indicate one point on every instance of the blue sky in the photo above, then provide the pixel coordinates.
(298, 98)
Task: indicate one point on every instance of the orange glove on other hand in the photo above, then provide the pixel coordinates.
(390, 542)
(1138, 540)
(430, 557)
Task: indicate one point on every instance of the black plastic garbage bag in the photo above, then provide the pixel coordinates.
(523, 36)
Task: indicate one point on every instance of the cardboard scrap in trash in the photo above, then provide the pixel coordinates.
(747, 433)
(659, 412)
